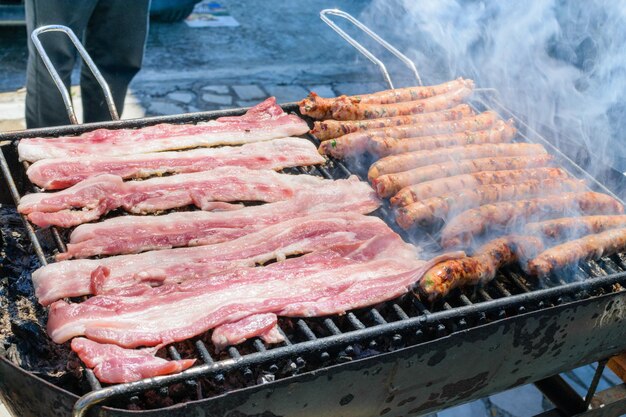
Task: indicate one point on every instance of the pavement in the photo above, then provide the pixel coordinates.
(278, 50)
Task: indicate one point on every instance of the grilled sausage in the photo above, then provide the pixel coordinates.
(440, 186)
(346, 109)
(329, 129)
(586, 248)
(319, 108)
(425, 212)
(390, 184)
(573, 227)
(501, 132)
(461, 229)
(411, 160)
(481, 268)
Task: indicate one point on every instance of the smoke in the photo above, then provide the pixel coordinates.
(559, 64)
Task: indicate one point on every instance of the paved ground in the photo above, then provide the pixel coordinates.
(278, 50)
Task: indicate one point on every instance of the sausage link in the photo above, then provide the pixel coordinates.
(319, 108)
(390, 184)
(403, 162)
(346, 109)
(329, 129)
(461, 229)
(481, 268)
(574, 227)
(586, 248)
(426, 212)
(440, 186)
(502, 132)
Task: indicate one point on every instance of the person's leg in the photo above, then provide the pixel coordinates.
(115, 39)
(44, 105)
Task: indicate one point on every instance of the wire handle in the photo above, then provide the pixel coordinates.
(55, 75)
(336, 12)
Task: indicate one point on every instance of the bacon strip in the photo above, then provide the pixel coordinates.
(115, 365)
(403, 162)
(346, 109)
(426, 212)
(341, 147)
(440, 186)
(320, 108)
(570, 227)
(461, 229)
(264, 121)
(78, 277)
(103, 193)
(351, 277)
(477, 269)
(58, 173)
(258, 325)
(329, 129)
(134, 234)
(390, 184)
(586, 248)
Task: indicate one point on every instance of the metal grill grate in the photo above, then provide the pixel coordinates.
(320, 342)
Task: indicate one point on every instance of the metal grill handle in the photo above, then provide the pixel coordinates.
(55, 75)
(336, 12)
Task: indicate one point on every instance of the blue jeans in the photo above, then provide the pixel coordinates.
(113, 33)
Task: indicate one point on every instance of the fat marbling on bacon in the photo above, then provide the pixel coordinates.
(329, 281)
(296, 236)
(134, 234)
(276, 154)
(91, 198)
(264, 121)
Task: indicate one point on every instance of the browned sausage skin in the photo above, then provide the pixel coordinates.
(319, 108)
(346, 109)
(329, 129)
(502, 132)
(461, 229)
(427, 211)
(440, 186)
(588, 247)
(411, 160)
(573, 227)
(390, 184)
(480, 268)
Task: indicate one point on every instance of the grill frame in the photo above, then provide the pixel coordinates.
(519, 303)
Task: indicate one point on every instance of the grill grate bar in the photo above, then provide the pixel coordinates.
(91, 378)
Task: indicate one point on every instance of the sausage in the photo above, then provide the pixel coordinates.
(586, 248)
(501, 132)
(346, 109)
(480, 268)
(319, 108)
(461, 229)
(403, 162)
(570, 227)
(358, 142)
(440, 186)
(425, 212)
(390, 184)
(329, 129)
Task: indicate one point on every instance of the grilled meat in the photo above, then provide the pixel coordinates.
(461, 229)
(390, 184)
(329, 129)
(570, 227)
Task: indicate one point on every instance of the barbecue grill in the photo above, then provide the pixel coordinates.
(402, 357)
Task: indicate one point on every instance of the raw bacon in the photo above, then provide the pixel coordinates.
(299, 235)
(103, 193)
(350, 276)
(58, 173)
(114, 365)
(258, 325)
(134, 234)
(264, 121)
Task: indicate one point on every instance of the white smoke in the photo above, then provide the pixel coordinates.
(558, 63)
